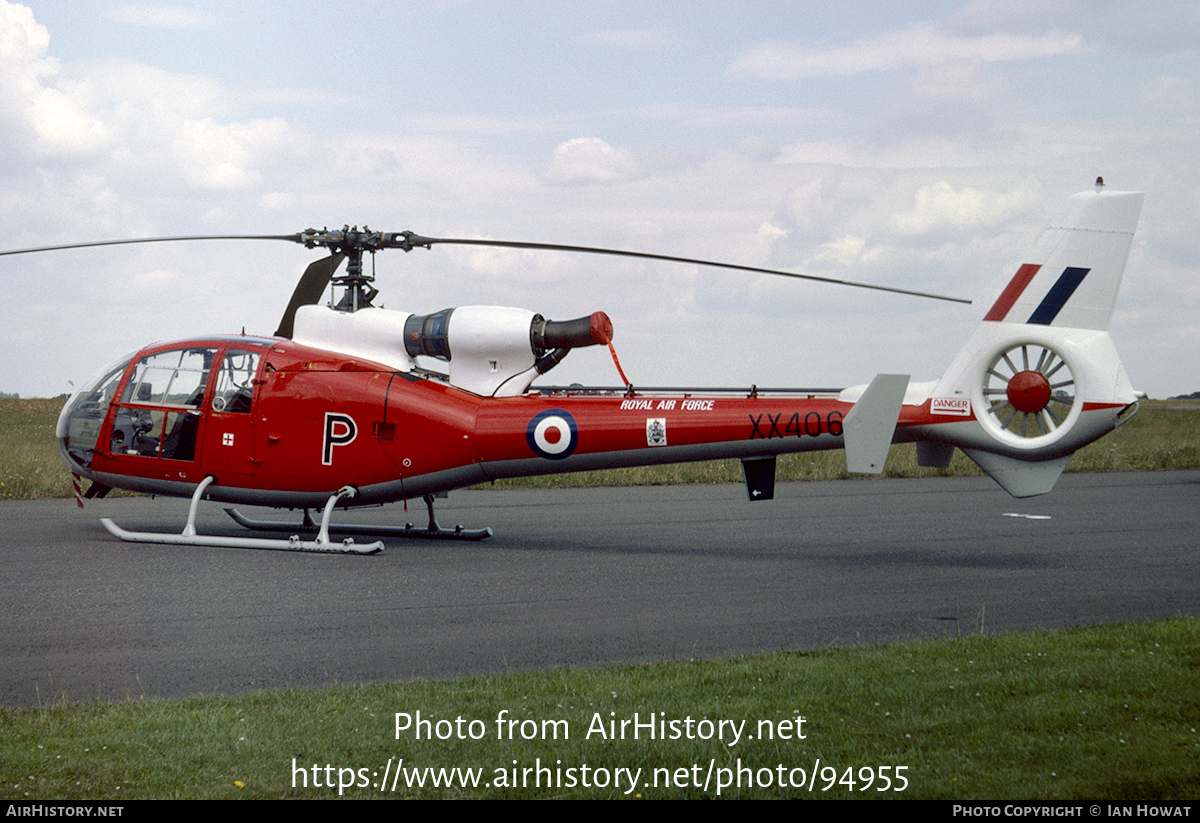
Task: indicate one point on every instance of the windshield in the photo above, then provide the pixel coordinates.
(79, 424)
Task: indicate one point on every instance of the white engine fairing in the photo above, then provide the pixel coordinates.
(372, 334)
(492, 353)
(492, 350)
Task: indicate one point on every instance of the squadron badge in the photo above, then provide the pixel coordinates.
(656, 431)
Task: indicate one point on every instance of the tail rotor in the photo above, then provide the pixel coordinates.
(1029, 394)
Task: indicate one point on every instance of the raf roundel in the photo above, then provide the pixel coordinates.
(552, 434)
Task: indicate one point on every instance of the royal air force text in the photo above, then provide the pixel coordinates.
(763, 426)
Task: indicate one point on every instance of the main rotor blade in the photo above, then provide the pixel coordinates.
(308, 291)
(357, 242)
(294, 238)
(417, 240)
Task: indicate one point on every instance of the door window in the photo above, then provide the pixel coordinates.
(159, 414)
(235, 381)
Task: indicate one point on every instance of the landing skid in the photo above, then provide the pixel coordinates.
(431, 532)
(292, 544)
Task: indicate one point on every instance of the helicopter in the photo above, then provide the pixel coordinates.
(345, 406)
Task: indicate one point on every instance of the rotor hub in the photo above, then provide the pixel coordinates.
(1028, 391)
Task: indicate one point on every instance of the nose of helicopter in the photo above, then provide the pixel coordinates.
(78, 426)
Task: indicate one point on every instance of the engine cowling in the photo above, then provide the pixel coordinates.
(492, 350)
(496, 350)
(429, 334)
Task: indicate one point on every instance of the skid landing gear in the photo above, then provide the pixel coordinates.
(432, 532)
(292, 544)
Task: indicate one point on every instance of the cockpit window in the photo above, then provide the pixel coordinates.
(80, 421)
(235, 381)
(171, 378)
(159, 411)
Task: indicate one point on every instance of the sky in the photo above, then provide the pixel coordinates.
(922, 145)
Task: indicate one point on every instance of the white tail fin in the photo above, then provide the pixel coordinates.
(1077, 268)
(1040, 378)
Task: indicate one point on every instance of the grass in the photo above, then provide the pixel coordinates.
(29, 463)
(1103, 713)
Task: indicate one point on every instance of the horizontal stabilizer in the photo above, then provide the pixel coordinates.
(1020, 478)
(871, 424)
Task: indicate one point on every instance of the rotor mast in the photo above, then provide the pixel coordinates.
(350, 243)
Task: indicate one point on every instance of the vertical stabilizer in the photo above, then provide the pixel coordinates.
(1076, 267)
(1041, 378)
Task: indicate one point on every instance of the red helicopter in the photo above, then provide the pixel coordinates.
(339, 409)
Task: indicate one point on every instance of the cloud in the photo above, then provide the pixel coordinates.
(35, 115)
(225, 157)
(922, 45)
(896, 178)
(139, 124)
(757, 147)
(940, 205)
(1164, 27)
(589, 160)
(160, 16)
